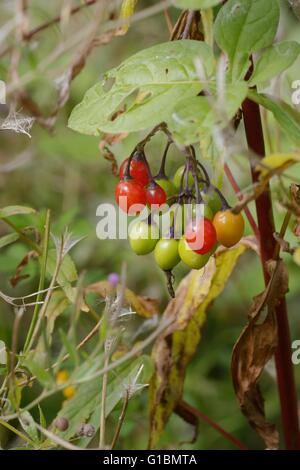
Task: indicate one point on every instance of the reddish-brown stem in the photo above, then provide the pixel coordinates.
(237, 190)
(284, 367)
(183, 406)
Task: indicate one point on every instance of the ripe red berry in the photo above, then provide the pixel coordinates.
(155, 194)
(138, 169)
(130, 192)
(201, 236)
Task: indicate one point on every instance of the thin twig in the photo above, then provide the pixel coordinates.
(47, 298)
(188, 24)
(212, 424)
(281, 235)
(120, 420)
(237, 190)
(58, 440)
(168, 20)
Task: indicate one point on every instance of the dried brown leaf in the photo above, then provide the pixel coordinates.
(109, 140)
(18, 276)
(254, 348)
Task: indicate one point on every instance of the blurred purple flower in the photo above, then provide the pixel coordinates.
(113, 279)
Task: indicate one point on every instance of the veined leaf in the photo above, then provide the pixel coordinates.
(145, 89)
(243, 27)
(195, 4)
(193, 116)
(274, 60)
(286, 116)
(15, 210)
(176, 347)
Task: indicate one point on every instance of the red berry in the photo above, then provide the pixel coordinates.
(138, 169)
(155, 194)
(128, 193)
(201, 236)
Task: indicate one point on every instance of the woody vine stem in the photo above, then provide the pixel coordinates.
(265, 219)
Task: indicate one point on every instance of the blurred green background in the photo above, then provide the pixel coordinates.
(66, 172)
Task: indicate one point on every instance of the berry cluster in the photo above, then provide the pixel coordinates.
(198, 214)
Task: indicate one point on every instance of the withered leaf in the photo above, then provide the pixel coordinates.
(143, 306)
(254, 348)
(175, 348)
(18, 276)
(109, 140)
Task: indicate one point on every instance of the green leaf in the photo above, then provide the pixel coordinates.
(286, 116)
(195, 115)
(70, 348)
(195, 4)
(8, 239)
(43, 421)
(145, 89)
(86, 401)
(175, 348)
(28, 424)
(67, 272)
(274, 60)
(243, 27)
(43, 376)
(15, 210)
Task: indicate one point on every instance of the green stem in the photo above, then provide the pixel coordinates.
(23, 237)
(120, 420)
(17, 432)
(103, 404)
(41, 282)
